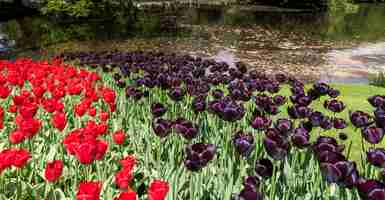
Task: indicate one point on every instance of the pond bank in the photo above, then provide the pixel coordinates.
(299, 44)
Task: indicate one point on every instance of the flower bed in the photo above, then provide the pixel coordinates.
(209, 130)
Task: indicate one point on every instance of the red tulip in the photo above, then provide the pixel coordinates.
(119, 137)
(128, 162)
(13, 157)
(4, 92)
(130, 195)
(112, 107)
(75, 89)
(38, 91)
(59, 106)
(86, 152)
(12, 108)
(29, 126)
(101, 148)
(58, 92)
(53, 170)
(101, 128)
(92, 112)
(59, 120)
(108, 96)
(17, 137)
(103, 116)
(21, 157)
(49, 105)
(28, 110)
(80, 110)
(158, 190)
(89, 191)
(18, 100)
(123, 178)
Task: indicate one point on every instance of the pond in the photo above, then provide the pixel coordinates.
(336, 47)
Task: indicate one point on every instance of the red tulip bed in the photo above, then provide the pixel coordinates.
(154, 126)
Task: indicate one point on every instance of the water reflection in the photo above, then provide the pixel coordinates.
(303, 44)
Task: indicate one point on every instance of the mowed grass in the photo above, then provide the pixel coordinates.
(355, 98)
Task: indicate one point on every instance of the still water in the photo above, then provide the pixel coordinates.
(337, 47)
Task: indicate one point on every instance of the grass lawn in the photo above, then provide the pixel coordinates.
(355, 98)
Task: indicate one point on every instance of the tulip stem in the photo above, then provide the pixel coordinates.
(47, 190)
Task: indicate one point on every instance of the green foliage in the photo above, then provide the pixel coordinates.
(80, 8)
(377, 79)
(346, 6)
(88, 8)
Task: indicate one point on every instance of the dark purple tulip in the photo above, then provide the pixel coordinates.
(243, 95)
(176, 94)
(303, 111)
(124, 70)
(251, 182)
(276, 145)
(344, 173)
(217, 94)
(324, 143)
(376, 101)
(300, 138)
(307, 125)
(379, 116)
(333, 93)
(135, 93)
(243, 143)
(297, 90)
(261, 122)
(359, 119)
(376, 157)
(150, 82)
(371, 190)
(299, 112)
(330, 157)
(301, 100)
(248, 194)
(199, 104)
(198, 155)
(263, 100)
(186, 128)
(343, 136)
(282, 78)
(227, 109)
(235, 73)
(140, 82)
(130, 91)
(321, 88)
(158, 110)
(372, 134)
(161, 127)
(316, 118)
(232, 112)
(339, 123)
(272, 87)
(284, 126)
(279, 100)
(313, 94)
(272, 109)
(334, 105)
(121, 83)
(326, 123)
(264, 168)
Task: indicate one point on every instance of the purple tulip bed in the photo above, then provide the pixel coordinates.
(218, 132)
